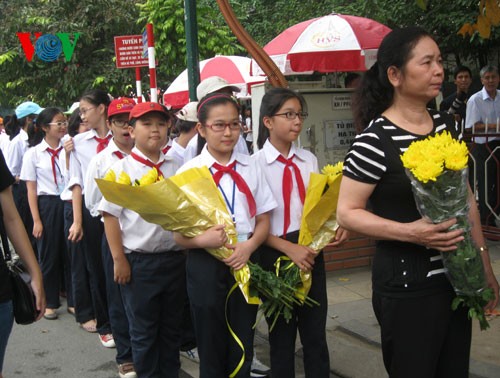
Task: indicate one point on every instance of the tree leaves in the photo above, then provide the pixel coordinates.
(488, 17)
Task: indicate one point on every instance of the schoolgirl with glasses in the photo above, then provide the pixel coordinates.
(249, 200)
(288, 167)
(43, 171)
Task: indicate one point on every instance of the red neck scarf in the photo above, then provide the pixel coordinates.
(149, 163)
(102, 143)
(238, 180)
(287, 186)
(54, 154)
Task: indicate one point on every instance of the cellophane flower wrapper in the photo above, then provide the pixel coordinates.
(190, 203)
(318, 225)
(442, 196)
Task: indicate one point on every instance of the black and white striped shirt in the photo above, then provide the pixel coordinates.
(366, 159)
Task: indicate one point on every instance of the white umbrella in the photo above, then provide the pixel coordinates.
(330, 43)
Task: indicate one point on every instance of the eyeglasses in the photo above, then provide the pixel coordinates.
(59, 124)
(293, 115)
(119, 123)
(221, 126)
(84, 111)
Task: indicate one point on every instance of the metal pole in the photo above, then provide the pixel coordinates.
(152, 63)
(191, 27)
(138, 84)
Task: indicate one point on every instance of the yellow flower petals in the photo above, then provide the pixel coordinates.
(110, 176)
(149, 178)
(124, 179)
(427, 159)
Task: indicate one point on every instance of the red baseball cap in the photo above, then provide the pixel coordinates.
(147, 107)
(120, 106)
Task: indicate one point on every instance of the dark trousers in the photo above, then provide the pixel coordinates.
(486, 169)
(188, 338)
(93, 231)
(80, 285)
(51, 246)
(423, 337)
(116, 309)
(153, 301)
(309, 321)
(209, 281)
(20, 195)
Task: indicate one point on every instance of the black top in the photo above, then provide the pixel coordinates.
(399, 269)
(6, 180)
(455, 104)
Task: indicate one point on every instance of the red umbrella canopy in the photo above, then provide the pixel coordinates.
(327, 44)
(235, 69)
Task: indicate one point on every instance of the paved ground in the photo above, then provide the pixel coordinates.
(61, 349)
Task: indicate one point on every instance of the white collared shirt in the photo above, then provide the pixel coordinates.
(192, 148)
(79, 159)
(4, 142)
(15, 152)
(37, 166)
(137, 234)
(176, 152)
(482, 108)
(273, 171)
(97, 168)
(253, 177)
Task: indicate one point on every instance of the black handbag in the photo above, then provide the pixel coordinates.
(23, 298)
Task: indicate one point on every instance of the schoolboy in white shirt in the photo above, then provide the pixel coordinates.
(148, 264)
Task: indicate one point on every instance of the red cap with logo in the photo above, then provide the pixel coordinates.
(147, 107)
(120, 106)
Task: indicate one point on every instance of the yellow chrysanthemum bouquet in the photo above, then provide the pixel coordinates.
(437, 168)
(190, 203)
(318, 226)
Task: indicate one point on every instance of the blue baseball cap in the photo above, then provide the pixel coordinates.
(27, 108)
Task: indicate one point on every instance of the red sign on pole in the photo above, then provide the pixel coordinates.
(129, 52)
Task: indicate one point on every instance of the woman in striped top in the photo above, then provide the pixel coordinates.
(421, 335)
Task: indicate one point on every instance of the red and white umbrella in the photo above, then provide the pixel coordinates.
(330, 43)
(235, 69)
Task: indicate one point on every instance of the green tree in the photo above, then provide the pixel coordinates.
(92, 65)
(167, 16)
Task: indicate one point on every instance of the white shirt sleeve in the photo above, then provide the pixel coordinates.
(28, 169)
(93, 195)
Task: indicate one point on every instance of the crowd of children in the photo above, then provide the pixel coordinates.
(137, 285)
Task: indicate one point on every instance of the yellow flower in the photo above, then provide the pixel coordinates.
(333, 171)
(457, 156)
(149, 178)
(110, 176)
(427, 171)
(413, 155)
(124, 179)
(428, 158)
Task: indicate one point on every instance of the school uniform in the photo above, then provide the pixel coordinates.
(209, 280)
(97, 168)
(87, 267)
(14, 159)
(285, 223)
(43, 165)
(4, 142)
(176, 152)
(154, 297)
